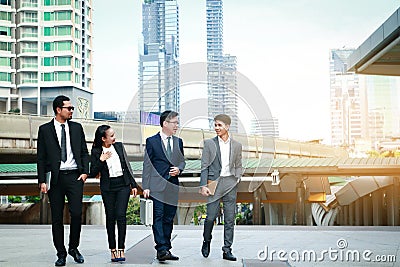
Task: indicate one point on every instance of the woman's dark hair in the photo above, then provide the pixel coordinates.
(100, 132)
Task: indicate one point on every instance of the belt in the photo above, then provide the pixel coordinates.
(66, 172)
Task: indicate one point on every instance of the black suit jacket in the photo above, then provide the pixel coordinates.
(96, 166)
(156, 165)
(49, 150)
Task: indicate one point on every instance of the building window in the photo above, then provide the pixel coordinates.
(29, 47)
(5, 61)
(77, 78)
(29, 77)
(29, 3)
(57, 31)
(77, 19)
(29, 62)
(56, 2)
(58, 15)
(5, 2)
(77, 49)
(5, 15)
(57, 46)
(77, 63)
(5, 31)
(29, 17)
(5, 77)
(59, 76)
(29, 32)
(4, 46)
(64, 76)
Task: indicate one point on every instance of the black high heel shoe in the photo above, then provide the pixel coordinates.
(121, 255)
(114, 256)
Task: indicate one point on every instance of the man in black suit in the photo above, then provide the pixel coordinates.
(163, 163)
(62, 151)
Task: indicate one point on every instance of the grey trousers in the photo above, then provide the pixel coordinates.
(229, 208)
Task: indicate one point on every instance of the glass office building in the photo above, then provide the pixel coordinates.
(221, 69)
(159, 57)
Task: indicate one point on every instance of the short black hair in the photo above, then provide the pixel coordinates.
(58, 102)
(167, 115)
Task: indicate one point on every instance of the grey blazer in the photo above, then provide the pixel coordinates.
(211, 160)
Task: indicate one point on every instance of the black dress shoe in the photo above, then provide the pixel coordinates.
(162, 255)
(205, 249)
(229, 256)
(61, 261)
(74, 252)
(172, 257)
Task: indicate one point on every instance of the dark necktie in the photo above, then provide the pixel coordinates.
(169, 150)
(63, 144)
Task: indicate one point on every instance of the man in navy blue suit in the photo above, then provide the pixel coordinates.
(163, 163)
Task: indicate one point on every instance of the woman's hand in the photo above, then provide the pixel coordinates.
(134, 192)
(105, 156)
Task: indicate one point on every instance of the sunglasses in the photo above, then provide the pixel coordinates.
(69, 108)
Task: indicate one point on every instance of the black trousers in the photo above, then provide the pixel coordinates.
(116, 203)
(68, 186)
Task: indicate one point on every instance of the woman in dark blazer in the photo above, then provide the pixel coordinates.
(108, 158)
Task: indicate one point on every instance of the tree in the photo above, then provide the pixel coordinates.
(133, 211)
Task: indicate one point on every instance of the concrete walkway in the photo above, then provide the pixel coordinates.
(31, 245)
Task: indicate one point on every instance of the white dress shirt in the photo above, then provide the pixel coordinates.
(165, 141)
(225, 148)
(113, 163)
(70, 163)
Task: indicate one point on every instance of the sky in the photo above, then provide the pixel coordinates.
(282, 46)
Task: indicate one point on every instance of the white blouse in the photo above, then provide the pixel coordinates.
(113, 163)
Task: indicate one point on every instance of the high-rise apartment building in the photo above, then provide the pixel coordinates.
(159, 57)
(221, 69)
(45, 50)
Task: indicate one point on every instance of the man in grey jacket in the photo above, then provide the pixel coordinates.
(221, 169)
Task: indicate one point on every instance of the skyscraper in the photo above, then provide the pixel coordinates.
(45, 50)
(221, 69)
(349, 117)
(159, 57)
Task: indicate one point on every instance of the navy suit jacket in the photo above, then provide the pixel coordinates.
(156, 165)
(96, 166)
(49, 150)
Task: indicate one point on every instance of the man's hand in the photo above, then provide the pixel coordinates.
(174, 171)
(205, 191)
(83, 177)
(146, 193)
(43, 187)
(134, 192)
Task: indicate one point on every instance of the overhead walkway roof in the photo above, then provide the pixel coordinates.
(311, 166)
(380, 53)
